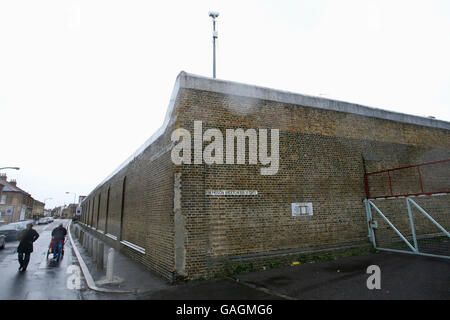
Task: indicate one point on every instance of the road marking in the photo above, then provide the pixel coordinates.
(265, 290)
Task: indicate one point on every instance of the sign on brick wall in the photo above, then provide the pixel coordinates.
(231, 192)
(302, 209)
(9, 211)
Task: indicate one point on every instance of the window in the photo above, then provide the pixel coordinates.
(3, 200)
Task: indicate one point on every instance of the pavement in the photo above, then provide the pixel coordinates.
(135, 278)
(403, 276)
(146, 285)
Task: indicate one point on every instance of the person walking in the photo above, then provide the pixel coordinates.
(25, 247)
(59, 235)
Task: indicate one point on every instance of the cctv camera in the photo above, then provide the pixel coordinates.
(213, 14)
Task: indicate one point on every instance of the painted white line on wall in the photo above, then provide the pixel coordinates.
(133, 246)
(109, 235)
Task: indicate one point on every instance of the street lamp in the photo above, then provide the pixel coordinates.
(14, 168)
(214, 15)
(74, 195)
(45, 201)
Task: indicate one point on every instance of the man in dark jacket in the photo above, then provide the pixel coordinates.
(25, 247)
(58, 234)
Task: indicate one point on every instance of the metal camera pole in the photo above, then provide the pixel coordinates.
(214, 16)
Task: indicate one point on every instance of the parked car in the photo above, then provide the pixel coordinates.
(42, 221)
(2, 241)
(13, 231)
(45, 220)
(25, 222)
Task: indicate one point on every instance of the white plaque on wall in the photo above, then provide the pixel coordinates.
(302, 209)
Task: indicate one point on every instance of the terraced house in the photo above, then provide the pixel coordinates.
(15, 203)
(190, 219)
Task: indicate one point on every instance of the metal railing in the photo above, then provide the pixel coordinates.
(429, 178)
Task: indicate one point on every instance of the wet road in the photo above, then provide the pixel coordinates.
(43, 279)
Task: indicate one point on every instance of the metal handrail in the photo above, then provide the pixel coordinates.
(420, 181)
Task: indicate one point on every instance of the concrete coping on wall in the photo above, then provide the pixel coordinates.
(191, 81)
(133, 246)
(111, 236)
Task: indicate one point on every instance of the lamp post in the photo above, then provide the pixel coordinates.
(44, 203)
(14, 168)
(214, 15)
(74, 195)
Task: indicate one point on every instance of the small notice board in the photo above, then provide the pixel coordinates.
(302, 209)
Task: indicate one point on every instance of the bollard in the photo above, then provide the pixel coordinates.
(90, 245)
(110, 278)
(85, 240)
(94, 249)
(80, 238)
(110, 265)
(100, 254)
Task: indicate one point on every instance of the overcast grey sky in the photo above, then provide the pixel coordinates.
(84, 83)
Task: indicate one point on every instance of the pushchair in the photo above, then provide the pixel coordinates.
(52, 247)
